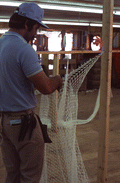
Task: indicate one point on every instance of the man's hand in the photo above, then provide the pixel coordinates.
(98, 41)
(60, 82)
(46, 85)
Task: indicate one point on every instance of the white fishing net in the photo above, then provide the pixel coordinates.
(63, 161)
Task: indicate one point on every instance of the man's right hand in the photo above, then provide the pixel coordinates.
(46, 85)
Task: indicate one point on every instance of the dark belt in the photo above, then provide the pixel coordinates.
(16, 113)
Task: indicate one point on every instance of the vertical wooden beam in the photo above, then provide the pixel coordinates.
(63, 43)
(45, 63)
(105, 89)
(56, 65)
(55, 94)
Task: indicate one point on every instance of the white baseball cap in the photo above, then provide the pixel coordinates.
(32, 11)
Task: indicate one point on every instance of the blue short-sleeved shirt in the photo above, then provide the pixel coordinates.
(18, 62)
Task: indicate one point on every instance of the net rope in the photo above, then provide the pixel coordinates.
(63, 160)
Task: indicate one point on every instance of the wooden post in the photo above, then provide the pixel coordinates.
(55, 94)
(56, 65)
(45, 63)
(105, 89)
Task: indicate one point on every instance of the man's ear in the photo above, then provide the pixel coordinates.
(26, 26)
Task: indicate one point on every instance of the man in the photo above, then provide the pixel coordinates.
(19, 70)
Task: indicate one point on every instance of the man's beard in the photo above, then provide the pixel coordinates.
(28, 39)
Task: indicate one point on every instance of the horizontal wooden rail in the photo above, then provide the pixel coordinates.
(68, 52)
(73, 52)
(115, 51)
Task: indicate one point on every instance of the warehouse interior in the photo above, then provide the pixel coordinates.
(80, 21)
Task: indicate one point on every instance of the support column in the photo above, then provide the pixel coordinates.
(55, 94)
(45, 63)
(105, 90)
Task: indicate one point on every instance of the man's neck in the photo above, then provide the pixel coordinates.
(19, 31)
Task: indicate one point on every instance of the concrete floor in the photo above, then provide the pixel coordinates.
(87, 136)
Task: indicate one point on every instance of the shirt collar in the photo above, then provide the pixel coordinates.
(10, 33)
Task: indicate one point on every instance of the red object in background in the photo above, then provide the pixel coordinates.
(35, 42)
(116, 62)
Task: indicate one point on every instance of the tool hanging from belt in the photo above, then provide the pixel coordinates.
(28, 122)
(44, 131)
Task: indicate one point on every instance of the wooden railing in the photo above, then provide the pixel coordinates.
(57, 61)
(59, 64)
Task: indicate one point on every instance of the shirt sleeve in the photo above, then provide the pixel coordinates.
(29, 61)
